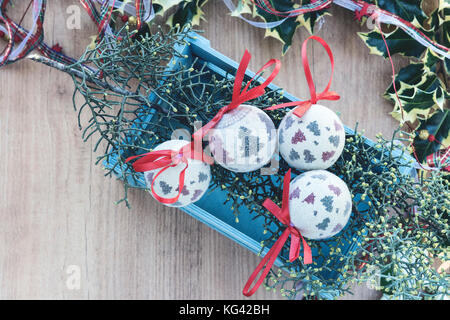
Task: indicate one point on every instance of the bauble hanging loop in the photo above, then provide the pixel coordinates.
(176, 174)
(242, 137)
(311, 136)
(314, 141)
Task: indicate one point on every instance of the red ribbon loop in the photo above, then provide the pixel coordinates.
(239, 96)
(303, 106)
(165, 159)
(294, 251)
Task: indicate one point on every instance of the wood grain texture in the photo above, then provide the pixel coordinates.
(57, 209)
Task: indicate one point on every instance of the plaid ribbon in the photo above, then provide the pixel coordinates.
(138, 5)
(356, 5)
(440, 159)
(29, 40)
(90, 8)
(22, 41)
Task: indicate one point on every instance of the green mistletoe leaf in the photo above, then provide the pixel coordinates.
(397, 40)
(439, 126)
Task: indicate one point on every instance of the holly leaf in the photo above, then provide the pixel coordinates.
(430, 60)
(420, 91)
(309, 20)
(445, 39)
(164, 5)
(398, 41)
(439, 22)
(443, 4)
(439, 126)
(285, 31)
(409, 10)
(189, 12)
(242, 7)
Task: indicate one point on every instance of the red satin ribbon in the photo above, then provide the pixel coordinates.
(269, 259)
(165, 159)
(239, 96)
(303, 106)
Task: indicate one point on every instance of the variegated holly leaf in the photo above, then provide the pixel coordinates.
(310, 19)
(189, 11)
(285, 31)
(409, 10)
(243, 7)
(397, 40)
(439, 126)
(418, 104)
(164, 5)
(420, 91)
(445, 38)
(430, 60)
(439, 22)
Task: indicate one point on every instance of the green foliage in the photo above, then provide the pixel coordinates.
(189, 12)
(402, 230)
(286, 30)
(423, 85)
(397, 40)
(437, 125)
(420, 90)
(409, 10)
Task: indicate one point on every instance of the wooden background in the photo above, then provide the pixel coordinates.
(57, 210)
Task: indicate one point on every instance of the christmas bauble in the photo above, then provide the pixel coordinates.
(320, 204)
(166, 185)
(244, 139)
(314, 141)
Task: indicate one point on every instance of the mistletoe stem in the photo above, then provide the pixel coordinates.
(93, 78)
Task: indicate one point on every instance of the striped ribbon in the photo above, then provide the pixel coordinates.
(22, 41)
(26, 42)
(439, 159)
(384, 16)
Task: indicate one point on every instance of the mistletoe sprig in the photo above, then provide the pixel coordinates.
(135, 98)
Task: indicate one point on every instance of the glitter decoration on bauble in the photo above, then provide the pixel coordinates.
(320, 204)
(244, 140)
(196, 180)
(314, 141)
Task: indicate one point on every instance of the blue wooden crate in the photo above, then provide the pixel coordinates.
(210, 209)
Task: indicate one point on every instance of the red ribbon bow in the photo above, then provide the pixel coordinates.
(303, 106)
(364, 11)
(239, 96)
(269, 259)
(165, 159)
